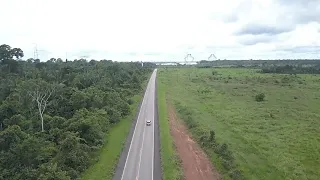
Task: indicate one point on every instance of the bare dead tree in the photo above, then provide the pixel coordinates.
(41, 97)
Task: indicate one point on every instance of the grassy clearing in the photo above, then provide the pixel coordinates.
(169, 160)
(109, 154)
(276, 138)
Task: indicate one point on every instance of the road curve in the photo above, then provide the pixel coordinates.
(140, 159)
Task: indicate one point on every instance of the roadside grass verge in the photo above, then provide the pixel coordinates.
(275, 137)
(220, 155)
(170, 162)
(106, 159)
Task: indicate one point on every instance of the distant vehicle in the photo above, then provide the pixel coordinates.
(148, 123)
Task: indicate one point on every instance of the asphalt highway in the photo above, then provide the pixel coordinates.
(139, 163)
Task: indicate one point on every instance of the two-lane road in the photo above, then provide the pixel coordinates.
(139, 164)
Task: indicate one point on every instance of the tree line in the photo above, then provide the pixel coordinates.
(53, 114)
(291, 69)
(258, 63)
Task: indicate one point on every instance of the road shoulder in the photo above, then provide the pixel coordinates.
(109, 153)
(157, 174)
(170, 162)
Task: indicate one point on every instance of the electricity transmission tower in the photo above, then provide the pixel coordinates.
(212, 57)
(35, 52)
(187, 57)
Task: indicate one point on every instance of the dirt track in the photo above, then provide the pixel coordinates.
(195, 163)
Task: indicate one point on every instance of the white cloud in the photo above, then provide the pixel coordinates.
(158, 30)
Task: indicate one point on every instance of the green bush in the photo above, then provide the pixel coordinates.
(212, 136)
(130, 101)
(236, 175)
(260, 97)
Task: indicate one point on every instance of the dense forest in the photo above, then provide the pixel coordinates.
(53, 114)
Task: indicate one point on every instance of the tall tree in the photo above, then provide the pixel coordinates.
(6, 52)
(40, 93)
(6, 58)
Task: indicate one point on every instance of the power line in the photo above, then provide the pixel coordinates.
(36, 51)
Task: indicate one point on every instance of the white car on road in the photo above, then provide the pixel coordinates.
(148, 122)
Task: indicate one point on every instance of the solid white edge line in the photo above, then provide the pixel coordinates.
(143, 100)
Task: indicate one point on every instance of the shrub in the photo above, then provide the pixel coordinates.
(227, 164)
(271, 115)
(190, 122)
(212, 136)
(285, 79)
(260, 97)
(236, 174)
(130, 101)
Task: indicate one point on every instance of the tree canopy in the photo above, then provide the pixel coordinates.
(54, 113)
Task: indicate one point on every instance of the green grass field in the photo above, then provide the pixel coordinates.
(109, 154)
(277, 138)
(169, 159)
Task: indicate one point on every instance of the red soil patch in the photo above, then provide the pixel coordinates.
(195, 163)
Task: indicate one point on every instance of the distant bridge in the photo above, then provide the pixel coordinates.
(174, 62)
(188, 60)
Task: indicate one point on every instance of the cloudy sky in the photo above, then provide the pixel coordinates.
(163, 30)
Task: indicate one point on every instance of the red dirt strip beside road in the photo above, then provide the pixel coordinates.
(195, 163)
